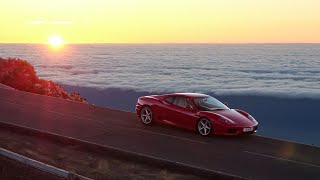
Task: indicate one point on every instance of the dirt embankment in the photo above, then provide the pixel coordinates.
(13, 170)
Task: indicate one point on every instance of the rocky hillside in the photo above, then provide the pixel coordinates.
(19, 74)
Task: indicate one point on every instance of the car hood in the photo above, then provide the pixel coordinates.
(235, 116)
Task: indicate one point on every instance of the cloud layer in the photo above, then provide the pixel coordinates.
(279, 70)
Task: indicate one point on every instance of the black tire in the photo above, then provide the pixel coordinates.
(146, 116)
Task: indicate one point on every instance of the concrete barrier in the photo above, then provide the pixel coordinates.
(6, 87)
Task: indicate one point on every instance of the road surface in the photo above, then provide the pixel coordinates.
(251, 156)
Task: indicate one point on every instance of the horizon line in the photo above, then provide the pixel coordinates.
(166, 43)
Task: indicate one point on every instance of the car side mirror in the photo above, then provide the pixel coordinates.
(190, 107)
(225, 103)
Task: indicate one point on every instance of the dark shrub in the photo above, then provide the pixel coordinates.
(19, 74)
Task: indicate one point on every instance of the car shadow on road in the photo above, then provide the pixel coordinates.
(174, 131)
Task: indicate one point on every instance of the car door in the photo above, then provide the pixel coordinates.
(165, 109)
(180, 115)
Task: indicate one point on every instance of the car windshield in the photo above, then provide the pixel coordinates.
(209, 103)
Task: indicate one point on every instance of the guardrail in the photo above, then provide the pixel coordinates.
(41, 166)
(120, 153)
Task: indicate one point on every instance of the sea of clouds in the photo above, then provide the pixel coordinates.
(286, 70)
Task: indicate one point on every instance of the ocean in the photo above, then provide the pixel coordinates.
(278, 83)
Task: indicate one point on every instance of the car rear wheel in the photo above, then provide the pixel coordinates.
(146, 115)
(204, 127)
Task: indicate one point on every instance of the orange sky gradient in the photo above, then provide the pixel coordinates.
(160, 21)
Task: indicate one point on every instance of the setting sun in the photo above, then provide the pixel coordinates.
(55, 41)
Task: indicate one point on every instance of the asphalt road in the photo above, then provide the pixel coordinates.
(249, 156)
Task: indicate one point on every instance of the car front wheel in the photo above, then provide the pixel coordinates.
(204, 127)
(146, 115)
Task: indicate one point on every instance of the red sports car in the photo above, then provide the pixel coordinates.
(196, 112)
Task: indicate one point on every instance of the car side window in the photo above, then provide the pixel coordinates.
(169, 99)
(189, 102)
(180, 101)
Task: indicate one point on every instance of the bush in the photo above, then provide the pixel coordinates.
(19, 74)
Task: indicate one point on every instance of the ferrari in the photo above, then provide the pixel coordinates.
(196, 112)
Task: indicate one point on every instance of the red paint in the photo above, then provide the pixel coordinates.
(171, 114)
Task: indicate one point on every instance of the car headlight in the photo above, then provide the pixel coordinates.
(226, 120)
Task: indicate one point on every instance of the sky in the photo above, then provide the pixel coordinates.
(160, 21)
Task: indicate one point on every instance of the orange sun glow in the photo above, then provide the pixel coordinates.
(55, 41)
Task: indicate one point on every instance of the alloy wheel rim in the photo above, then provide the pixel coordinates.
(146, 116)
(204, 127)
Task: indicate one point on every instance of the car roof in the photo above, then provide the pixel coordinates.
(192, 95)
